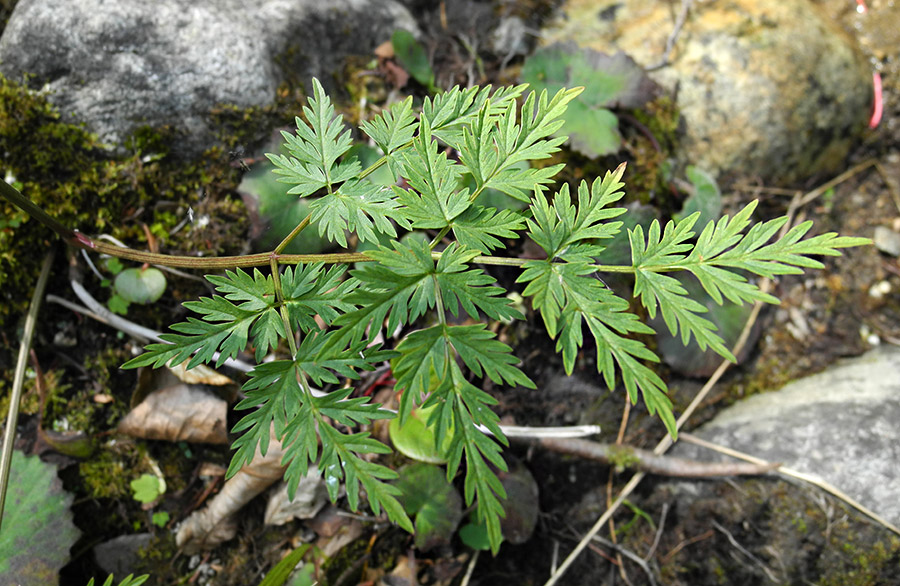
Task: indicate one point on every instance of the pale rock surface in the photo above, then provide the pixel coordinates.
(767, 88)
(121, 65)
(840, 425)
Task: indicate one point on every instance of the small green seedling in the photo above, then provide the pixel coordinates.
(147, 488)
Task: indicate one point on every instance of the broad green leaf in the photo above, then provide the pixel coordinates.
(412, 56)
(144, 285)
(416, 439)
(37, 524)
(279, 212)
(608, 81)
(706, 198)
(592, 131)
(147, 488)
(436, 505)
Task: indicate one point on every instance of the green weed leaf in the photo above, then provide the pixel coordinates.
(398, 302)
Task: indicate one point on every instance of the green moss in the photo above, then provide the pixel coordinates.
(622, 457)
(107, 473)
(30, 402)
(864, 563)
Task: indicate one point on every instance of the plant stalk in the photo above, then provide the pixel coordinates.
(9, 434)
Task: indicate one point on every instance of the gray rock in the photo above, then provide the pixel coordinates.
(119, 556)
(121, 65)
(840, 425)
(887, 240)
(769, 88)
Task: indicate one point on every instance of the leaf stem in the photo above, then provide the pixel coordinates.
(15, 197)
(279, 296)
(79, 240)
(287, 239)
(613, 268)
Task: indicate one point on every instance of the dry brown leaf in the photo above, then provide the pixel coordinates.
(385, 50)
(213, 525)
(335, 530)
(179, 413)
(310, 497)
(151, 380)
(200, 375)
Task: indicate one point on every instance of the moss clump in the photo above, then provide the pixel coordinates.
(107, 474)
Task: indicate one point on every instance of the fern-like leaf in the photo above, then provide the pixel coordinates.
(315, 149)
(721, 249)
(225, 327)
(358, 206)
(311, 290)
(433, 201)
(479, 228)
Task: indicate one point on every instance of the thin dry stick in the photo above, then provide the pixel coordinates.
(666, 442)
(790, 472)
(647, 461)
(9, 435)
(854, 170)
(673, 36)
(892, 187)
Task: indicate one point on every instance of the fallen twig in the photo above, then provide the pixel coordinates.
(646, 461)
(673, 36)
(743, 550)
(630, 555)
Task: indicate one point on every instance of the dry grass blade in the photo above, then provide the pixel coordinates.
(9, 435)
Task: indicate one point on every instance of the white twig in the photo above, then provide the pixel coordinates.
(98, 311)
(573, 431)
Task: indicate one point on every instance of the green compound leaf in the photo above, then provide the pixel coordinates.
(37, 524)
(425, 276)
(706, 198)
(721, 249)
(315, 149)
(392, 128)
(479, 228)
(225, 327)
(358, 206)
(312, 291)
(433, 202)
(405, 282)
